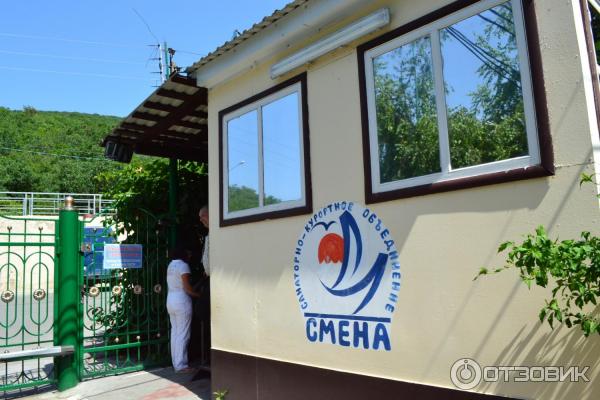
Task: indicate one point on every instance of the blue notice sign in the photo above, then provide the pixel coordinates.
(122, 256)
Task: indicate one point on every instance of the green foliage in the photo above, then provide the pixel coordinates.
(244, 198)
(479, 142)
(58, 133)
(406, 113)
(141, 194)
(570, 267)
(220, 394)
(488, 126)
(145, 185)
(596, 31)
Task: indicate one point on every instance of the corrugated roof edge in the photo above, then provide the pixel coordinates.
(229, 45)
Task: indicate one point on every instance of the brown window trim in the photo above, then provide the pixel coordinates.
(546, 166)
(589, 44)
(307, 207)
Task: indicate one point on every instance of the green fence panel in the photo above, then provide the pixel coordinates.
(27, 307)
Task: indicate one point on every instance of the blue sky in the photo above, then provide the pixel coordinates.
(93, 57)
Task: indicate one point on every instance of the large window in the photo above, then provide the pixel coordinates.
(264, 147)
(450, 100)
(591, 23)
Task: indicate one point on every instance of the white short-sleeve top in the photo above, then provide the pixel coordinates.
(175, 269)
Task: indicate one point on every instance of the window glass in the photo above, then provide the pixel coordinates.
(595, 27)
(407, 130)
(484, 98)
(263, 167)
(242, 162)
(281, 150)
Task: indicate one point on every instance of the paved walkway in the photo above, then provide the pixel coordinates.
(146, 385)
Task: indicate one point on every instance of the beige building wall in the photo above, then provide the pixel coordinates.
(442, 315)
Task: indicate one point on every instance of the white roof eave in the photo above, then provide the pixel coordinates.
(300, 25)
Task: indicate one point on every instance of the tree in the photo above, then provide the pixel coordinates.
(52, 151)
(145, 185)
(489, 127)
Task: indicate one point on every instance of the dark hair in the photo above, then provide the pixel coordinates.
(179, 252)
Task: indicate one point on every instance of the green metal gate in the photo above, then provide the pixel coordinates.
(54, 302)
(125, 325)
(27, 276)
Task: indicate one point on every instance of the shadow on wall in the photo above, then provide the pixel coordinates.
(490, 200)
(481, 200)
(561, 347)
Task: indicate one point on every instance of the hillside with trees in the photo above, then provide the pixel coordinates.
(42, 151)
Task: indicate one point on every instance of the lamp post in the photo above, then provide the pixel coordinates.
(237, 165)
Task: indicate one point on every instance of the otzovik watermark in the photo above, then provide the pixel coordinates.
(466, 373)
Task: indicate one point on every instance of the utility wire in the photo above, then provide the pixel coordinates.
(507, 20)
(145, 23)
(43, 153)
(503, 70)
(190, 52)
(20, 53)
(74, 73)
(491, 21)
(17, 35)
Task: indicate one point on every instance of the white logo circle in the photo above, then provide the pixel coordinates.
(347, 277)
(465, 373)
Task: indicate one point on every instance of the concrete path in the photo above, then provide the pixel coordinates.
(146, 385)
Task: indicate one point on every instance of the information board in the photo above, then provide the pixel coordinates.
(122, 256)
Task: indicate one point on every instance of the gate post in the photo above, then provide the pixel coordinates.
(67, 318)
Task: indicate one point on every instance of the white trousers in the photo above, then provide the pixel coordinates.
(180, 314)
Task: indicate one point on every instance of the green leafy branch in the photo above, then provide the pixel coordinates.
(585, 178)
(220, 394)
(571, 267)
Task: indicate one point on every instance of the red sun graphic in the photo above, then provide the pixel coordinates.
(331, 249)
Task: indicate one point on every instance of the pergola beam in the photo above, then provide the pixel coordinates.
(182, 105)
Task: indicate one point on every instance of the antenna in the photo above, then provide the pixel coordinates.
(162, 71)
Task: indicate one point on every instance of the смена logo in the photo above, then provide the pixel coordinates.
(347, 277)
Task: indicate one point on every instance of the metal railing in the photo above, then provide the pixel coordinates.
(32, 203)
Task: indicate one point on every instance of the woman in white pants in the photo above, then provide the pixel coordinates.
(179, 306)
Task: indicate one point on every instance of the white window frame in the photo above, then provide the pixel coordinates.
(447, 174)
(258, 106)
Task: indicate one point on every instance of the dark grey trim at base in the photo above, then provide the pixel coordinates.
(253, 378)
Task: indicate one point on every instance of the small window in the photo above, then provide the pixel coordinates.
(264, 148)
(450, 100)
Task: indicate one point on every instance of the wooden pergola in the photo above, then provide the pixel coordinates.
(171, 122)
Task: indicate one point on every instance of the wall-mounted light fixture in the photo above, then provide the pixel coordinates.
(340, 38)
(118, 151)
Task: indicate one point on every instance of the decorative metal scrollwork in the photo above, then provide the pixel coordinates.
(39, 294)
(157, 288)
(94, 291)
(137, 289)
(8, 296)
(116, 291)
